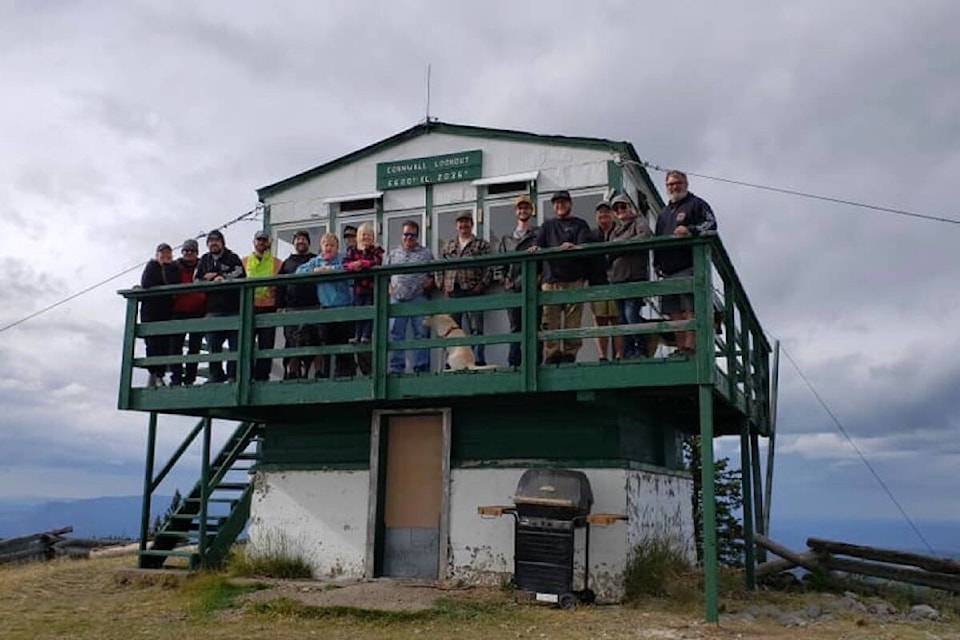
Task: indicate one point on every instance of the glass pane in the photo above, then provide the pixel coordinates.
(394, 229)
(501, 221)
(283, 245)
(585, 206)
(445, 228)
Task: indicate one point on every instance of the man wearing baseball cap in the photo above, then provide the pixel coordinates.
(219, 264)
(629, 267)
(298, 296)
(262, 264)
(565, 231)
(462, 283)
(521, 239)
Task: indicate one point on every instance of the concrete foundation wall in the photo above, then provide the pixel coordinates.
(322, 516)
(319, 515)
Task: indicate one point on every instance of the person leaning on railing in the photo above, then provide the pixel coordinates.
(605, 312)
(629, 267)
(684, 215)
(332, 294)
(521, 239)
(160, 271)
(187, 306)
(262, 264)
(220, 264)
(298, 297)
(466, 282)
(409, 287)
(565, 231)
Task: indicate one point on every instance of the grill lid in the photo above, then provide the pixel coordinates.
(564, 490)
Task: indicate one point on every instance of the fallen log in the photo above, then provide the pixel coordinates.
(945, 581)
(14, 544)
(776, 566)
(798, 559)
(930, 563)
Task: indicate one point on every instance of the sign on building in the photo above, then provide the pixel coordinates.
(418, 172)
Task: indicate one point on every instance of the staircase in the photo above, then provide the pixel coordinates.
(203, 532)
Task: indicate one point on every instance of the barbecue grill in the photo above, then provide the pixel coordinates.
(548, 508)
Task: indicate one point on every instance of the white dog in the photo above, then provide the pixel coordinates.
(458, 358)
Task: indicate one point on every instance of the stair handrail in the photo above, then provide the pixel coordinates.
(154, 483)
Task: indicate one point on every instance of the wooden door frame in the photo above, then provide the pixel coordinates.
(373, 495)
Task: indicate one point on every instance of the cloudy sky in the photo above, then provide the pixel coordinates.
(130, 123)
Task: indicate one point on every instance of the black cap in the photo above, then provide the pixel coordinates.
(560, 195)
(216, 233)
(163, 246)
(301, 232)
(349, 231)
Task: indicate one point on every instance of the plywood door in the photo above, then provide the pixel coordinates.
(412, 496)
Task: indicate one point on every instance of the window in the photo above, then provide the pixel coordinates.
(367, 204)
(508, 187)
(393, 227)
(501, 221)
(445, 225)
(283, 243)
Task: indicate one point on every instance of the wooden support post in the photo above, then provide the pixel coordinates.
(529, 329)
(148, 482)
(930, 563)
(708, 507)
(126, 363)
(245, 345)
(204, 490)
(799, 559)
(772, 440)
(756, 476)
(703, 313)
(381, 335)
(749, 545)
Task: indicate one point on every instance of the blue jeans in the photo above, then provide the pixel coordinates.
(398, 331)
(215, 345)
(635, 345)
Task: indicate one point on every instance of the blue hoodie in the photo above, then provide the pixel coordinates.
(331, 294)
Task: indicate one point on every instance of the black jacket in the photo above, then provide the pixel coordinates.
(158, 275)
(509, 244)
(228, 265)
(295, 296)
(691, 212)
(555, 232)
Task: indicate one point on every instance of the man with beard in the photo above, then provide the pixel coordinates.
(685, 215)
(521, 239)
(298, 296)
(565, 231)
(463, 283)
(185, 306)
(220, 264)
(158, 272)
(262, 264)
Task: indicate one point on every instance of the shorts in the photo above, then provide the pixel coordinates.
(672, 305)
(605, 309)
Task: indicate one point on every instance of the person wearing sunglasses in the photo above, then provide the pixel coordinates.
(409, 287)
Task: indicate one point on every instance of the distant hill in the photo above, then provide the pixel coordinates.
(90, 518)
(942, 535)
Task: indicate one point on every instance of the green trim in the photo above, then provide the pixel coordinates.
(428, 216)
(614, 176)
(313, 466)
(624, 148)
(478, 208)
(266, 219)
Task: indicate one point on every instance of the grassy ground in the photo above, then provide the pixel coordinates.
(89, 599)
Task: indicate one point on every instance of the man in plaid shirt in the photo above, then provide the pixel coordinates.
(472, 281)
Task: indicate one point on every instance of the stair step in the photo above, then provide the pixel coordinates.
(215, 500)
(195, 516)
(183, 535)
(233, 486)
(173, 553)
(248, 456)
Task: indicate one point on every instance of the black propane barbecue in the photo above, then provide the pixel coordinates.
(548, 508)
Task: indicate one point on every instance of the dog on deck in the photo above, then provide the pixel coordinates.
(460, 357)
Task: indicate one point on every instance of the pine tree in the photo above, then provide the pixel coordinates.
(729, 503)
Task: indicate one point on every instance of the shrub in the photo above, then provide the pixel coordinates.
(658, 568)
(273, 557)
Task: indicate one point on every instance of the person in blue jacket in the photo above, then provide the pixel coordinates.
(332, 294)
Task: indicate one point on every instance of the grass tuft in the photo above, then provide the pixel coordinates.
(272, 560)
(659, 569)
(444, 609)
(208, 593)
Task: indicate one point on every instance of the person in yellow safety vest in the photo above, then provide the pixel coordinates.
(262, 264)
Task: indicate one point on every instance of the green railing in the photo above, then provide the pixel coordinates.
(732, 353)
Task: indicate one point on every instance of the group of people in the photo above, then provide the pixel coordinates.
(617, 220)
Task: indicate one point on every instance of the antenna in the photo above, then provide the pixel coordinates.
(427, 119)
